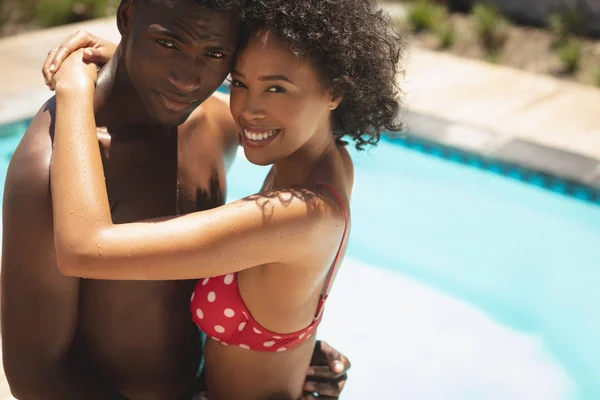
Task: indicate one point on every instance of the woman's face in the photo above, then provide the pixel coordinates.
(278, 102)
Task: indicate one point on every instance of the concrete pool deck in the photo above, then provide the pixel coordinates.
(531, 120)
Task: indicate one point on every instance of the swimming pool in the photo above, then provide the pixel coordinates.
(459, 283)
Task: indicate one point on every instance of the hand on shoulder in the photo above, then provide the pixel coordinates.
(75, 72)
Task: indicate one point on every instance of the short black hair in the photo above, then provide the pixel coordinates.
(356, 50)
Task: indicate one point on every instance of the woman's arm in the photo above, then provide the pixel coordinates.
(268, 228)
(96, 50)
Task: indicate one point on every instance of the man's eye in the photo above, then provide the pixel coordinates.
(215, 54)
(166, 43)
(276, 89)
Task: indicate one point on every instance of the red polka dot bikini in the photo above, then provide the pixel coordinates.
(219, 311)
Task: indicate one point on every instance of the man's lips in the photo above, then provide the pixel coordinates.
(174, 104)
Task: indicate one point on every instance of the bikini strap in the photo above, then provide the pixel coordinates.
(325, 291)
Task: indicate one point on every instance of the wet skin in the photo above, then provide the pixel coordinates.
(68, 338)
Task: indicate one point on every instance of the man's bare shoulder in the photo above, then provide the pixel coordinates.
(213, 121)
(30, 163)
(213, 112)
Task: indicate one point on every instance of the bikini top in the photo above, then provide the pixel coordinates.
(219, 311)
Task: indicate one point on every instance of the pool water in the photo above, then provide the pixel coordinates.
(10, 136)
(458, 283)
(527, 257)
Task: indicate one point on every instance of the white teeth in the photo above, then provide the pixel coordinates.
(259, 136)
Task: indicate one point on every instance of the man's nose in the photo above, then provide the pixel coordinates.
(186, 78)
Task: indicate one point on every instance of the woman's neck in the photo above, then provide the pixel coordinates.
(299, 167)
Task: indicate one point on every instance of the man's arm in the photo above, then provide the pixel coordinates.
(327, 374)
(39, 304)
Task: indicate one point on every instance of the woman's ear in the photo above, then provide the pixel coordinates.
(124, 14)
(334, 102)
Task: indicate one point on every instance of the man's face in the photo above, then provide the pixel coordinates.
(177, 55)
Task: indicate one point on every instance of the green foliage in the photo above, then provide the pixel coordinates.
(423, 15)
(563, 25)
(570, 55)
(2, 14)
(558, 29)
(573, 20)
(58, 12)
(597, 77)
(446, 35)
(491, 26)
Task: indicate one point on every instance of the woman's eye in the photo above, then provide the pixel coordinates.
(276, 89)
(236, 83)
(215, 54)
(166, 43)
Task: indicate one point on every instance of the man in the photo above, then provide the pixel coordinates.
(167, 145)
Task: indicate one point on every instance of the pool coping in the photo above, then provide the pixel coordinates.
(569, 166)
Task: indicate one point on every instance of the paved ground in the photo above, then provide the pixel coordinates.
(532, 120)
(22, 88)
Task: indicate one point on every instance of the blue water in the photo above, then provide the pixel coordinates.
(10, 136)
(526, 256)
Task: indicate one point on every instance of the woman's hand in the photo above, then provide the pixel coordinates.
(75, 72)
(96, 50)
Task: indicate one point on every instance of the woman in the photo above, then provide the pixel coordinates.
(307, 75)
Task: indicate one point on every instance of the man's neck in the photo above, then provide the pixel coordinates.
(117, 103)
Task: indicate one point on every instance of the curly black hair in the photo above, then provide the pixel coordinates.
(355, 49)
(216, 5)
